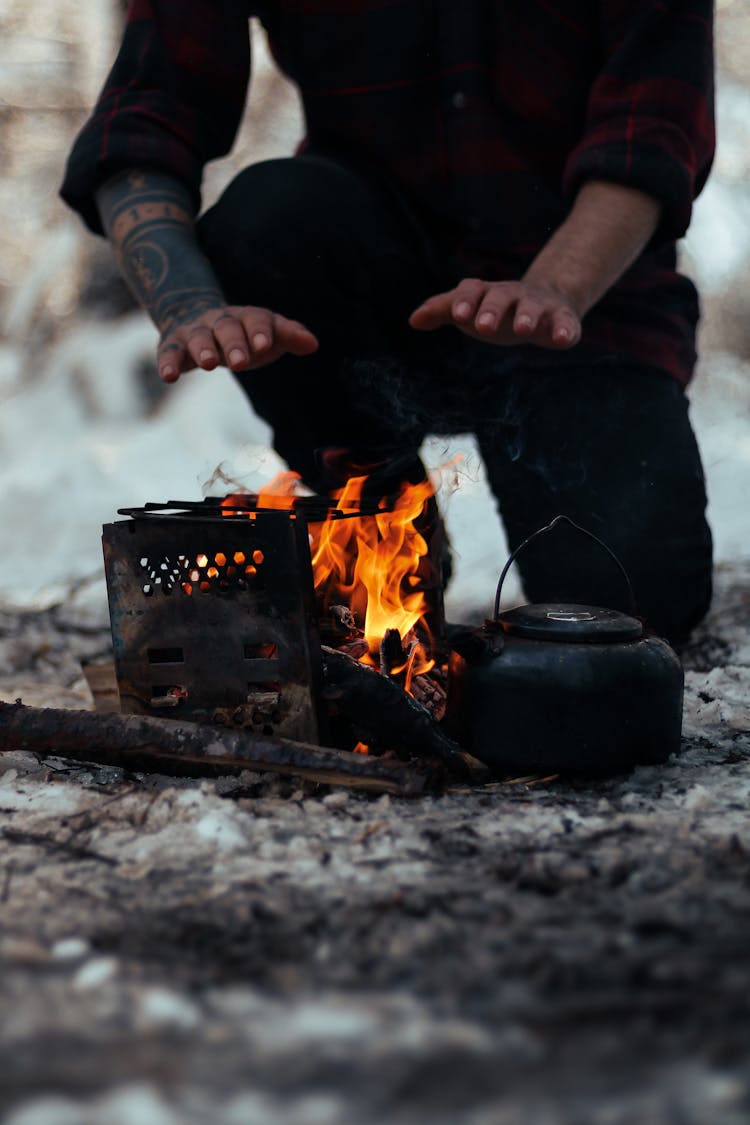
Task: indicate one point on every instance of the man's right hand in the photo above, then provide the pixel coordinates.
(240, 337)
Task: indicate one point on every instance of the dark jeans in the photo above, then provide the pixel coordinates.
(606, 444)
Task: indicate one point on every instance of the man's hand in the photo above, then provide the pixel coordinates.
(607, 228)
(149, 221)
(238, 337)
(504, 312)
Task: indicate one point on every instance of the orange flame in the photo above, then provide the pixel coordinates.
(370, 563)
(280, 492)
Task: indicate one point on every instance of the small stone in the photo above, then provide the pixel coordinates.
(70, 949)
(162, 1007)
(94, 973)
(574, 872)
(336, 800)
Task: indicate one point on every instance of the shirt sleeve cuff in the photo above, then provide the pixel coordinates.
(657, 159)
(134, 139)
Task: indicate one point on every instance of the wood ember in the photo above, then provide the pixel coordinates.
(117, 739)
(356, 648)
(431, 694)
(339, 627)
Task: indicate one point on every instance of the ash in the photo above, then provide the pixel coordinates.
(249, 949)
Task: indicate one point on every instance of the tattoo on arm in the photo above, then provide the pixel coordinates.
(148, 218)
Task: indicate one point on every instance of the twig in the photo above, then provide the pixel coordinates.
(50, 844)
(8, 879)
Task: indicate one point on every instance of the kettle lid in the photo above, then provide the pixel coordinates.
(577, 624)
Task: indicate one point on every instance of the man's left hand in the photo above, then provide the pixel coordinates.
(504, 313)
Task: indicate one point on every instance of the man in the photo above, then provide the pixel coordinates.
(478, 233)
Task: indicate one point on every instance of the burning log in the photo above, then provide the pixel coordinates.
(122, 739)
(390, 717)
(392, 654)
(356, 649)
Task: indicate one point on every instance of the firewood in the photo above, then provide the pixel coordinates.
(356, 648)
(339, 627)
(392, 654)
(120, 739)
(390, 717)
(344, 620)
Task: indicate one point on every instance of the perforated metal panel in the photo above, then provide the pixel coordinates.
(213, 619)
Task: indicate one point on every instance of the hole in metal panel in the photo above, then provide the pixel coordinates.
(265, 697)
(168, 695)
(265, 651)
(165, 655)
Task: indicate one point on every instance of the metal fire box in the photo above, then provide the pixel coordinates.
(213, 616)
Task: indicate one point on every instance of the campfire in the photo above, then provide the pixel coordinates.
(312, 628)
(286, 616)
(376, 580)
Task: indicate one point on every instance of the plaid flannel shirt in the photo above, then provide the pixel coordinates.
(487, 116)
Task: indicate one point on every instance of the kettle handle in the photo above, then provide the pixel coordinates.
(548, 527)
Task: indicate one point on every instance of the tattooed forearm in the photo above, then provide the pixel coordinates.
(148, 218)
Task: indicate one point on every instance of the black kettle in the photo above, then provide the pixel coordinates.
(571, 689)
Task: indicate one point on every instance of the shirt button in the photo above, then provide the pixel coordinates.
(459, 100)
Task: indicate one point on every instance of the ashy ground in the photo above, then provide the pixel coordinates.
(242, 950)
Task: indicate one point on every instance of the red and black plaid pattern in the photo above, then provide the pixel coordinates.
(487, 115)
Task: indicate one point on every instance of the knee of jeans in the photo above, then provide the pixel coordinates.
(671, 592)
(270, 228)
(672, 605)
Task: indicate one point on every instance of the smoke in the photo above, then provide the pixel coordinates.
(480, 390)
(220, 475)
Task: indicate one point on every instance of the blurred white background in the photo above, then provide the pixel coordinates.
(86, 428)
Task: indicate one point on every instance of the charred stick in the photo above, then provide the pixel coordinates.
(119, 739)
(391, 652)
(391, 717)
(356, 649)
